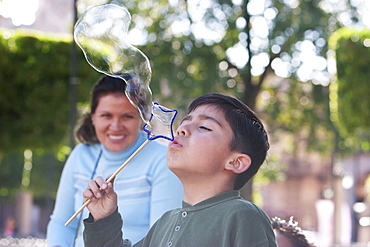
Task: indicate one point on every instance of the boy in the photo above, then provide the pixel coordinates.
(218, 147)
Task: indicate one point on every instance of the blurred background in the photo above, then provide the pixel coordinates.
(302, 65)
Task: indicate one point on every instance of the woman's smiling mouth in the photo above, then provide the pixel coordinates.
(116, 137)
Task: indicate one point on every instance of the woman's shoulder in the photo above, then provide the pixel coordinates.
(86, 149)
(156, 147)
(81, 155)
(91, 147)
(153, 156)
(159, 144)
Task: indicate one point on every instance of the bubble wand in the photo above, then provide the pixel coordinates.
(101, 34)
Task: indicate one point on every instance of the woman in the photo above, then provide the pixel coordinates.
(109, 134)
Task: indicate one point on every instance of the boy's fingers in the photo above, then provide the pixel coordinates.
(87, 194)
(94, 188)
(112, 181)
(100, 181)
(109, 187)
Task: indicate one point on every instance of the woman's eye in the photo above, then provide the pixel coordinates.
(205, 128)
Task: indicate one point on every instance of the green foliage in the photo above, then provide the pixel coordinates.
(179, 78)
(350, 101)
(34, 90)
(34, 79)
(300, 111)
(183, 68)
(45, 174)
(11, 173)
(34, 107)
(186, 66)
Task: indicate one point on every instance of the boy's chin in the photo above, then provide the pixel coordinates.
(170, 165)
(177, 173)
(175, 162)
(173, 168)
(171, 159)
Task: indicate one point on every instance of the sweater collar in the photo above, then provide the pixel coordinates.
(124, 154)
(220, 198)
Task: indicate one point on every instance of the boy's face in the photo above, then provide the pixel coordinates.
(202, 144)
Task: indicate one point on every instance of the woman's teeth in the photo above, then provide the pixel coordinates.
(115, 137)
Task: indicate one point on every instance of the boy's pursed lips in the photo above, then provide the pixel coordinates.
(175, 143)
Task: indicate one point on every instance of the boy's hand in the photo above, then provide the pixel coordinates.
(103, 198)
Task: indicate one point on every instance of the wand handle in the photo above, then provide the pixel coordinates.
(109, 179)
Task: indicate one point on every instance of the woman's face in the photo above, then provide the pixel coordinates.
(116, 121)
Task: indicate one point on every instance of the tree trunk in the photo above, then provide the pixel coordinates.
(250, 93)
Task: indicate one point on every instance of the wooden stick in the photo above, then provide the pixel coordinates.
(109, 179)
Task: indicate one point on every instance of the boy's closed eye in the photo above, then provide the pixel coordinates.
(205, 128)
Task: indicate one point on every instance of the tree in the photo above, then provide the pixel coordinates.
(350, 104)
(34, 91)
(244, 48)
(34, 107)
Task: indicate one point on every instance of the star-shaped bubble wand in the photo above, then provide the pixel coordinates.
(101, 33)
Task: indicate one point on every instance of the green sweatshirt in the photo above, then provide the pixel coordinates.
(224, 220)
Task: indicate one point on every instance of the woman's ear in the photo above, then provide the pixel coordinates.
(239, 163)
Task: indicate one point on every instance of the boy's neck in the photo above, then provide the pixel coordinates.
(194, 194)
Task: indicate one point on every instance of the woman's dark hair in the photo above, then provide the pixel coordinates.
(249, 135)
(105, 85)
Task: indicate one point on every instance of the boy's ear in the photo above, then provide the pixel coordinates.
(239, 163)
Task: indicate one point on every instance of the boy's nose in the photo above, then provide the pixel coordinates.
(181, 131)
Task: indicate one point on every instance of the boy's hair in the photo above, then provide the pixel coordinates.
(249, 135)
(105, 85)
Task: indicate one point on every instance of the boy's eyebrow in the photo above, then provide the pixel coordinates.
(203, 117)
(185, 118)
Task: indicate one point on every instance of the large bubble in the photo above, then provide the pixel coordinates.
(101, 33)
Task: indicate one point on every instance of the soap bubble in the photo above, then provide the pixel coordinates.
(101, 33)
(161, 123)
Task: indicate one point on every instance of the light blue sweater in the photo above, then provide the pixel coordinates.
(146, 189)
